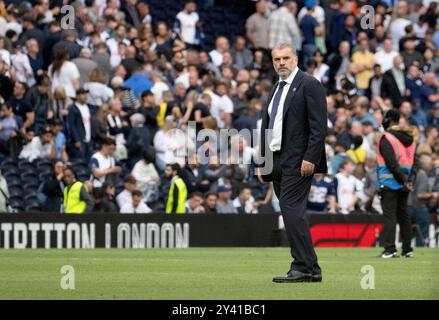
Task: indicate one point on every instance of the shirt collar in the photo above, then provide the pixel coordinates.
(291, 77)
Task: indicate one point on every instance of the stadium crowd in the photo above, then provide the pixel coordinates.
(100, 104)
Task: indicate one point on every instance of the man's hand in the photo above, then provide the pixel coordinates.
(409, 186)
(260, 179)
(77, 144)
(307, 168)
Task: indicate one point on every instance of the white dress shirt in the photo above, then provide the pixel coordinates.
(276, 140)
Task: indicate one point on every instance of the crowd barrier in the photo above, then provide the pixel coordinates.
(88, 231)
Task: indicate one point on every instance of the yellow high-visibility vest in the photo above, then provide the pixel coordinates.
(182, 196)
(72, 199)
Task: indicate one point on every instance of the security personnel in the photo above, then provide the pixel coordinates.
(177, 192)
(76, 197)
(396, 152)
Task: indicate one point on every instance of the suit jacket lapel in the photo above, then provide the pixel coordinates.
(297, 81)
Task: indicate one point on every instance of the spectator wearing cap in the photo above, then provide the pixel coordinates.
(20, 61)
(64, 72)
(85, 65)
(224, 203)
(103, 166)
(136, 205)
(79, 127)
(125, 196)
(40, 147)
(177, 195)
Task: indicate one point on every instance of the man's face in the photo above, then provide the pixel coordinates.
(46, 138)
(18, 89)
(222, 44)
(284, 62)
(168, 172)
(44, 89)
(245, 195)
(195, 202)
(82, 98)
(136, 201)
(191, 7)
(224, 195)
(68, 177)
(211, 201)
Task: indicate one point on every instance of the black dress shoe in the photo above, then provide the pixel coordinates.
(317, 277)
(293, 276)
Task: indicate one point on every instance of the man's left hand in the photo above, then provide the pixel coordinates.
(307, 168)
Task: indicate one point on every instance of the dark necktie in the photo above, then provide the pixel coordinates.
(275, 105)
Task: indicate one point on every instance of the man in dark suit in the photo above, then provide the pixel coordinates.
(296, 113)
(393, 85)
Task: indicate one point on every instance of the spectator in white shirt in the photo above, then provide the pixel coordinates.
(159, 87)
(186, 23)
(144, 171)
(397, 26)
(102, 164)
(245, 203)
(99, 93)
(222, 108)
(384, 57)
(221, 45)
(42, 147)
(65, 73)
(125, 196)
(346, 187)
(21, 63)
(136, 205)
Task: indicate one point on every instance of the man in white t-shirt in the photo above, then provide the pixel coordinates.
(346, 187)
(158, 88)
(221, 45)
(384, 57)
(102, 164)
(42, 147)
(397, 27)
(222, 106)
(136, 205)
(186, 23)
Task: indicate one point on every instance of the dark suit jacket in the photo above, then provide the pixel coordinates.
(304, 126)
(389, 89)
(75, 125)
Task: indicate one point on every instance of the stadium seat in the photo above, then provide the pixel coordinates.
(33, 207)
(15, 192)
(14, 182)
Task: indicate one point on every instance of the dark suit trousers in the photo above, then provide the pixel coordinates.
(292, 192)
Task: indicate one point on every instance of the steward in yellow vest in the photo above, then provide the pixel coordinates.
(76, 198)
(177, 195)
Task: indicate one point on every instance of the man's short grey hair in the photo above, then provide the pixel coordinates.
(284, 45)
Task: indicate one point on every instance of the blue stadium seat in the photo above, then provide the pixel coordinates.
(14, 182)
(15, 192)
(10, 169)
(44, 176)
(32, 207)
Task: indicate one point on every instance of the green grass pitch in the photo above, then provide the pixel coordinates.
(212, 273)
